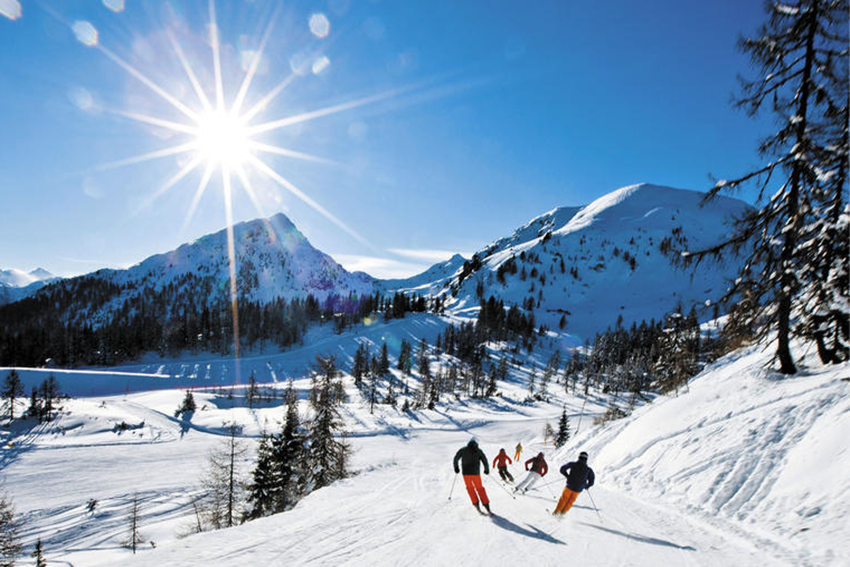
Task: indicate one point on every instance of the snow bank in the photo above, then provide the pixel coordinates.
(747, 448)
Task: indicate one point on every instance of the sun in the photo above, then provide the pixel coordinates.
(222, 139)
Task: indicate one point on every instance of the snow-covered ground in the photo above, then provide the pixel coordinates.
(747, 468)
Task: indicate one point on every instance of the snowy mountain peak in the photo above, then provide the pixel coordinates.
(19, 278)
(581, 269)
(41, 274)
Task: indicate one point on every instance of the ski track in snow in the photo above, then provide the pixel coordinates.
(712, 477)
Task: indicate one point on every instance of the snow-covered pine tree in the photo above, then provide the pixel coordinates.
(563, 434)
(825, 316)
(802, 56)
(264, 480)
(187, 405)
(327, 456)
(548, 432)
(289, 456)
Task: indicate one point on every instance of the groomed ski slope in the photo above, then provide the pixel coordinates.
(747, 468)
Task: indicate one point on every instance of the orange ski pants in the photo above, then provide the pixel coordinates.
(568, 498)
(475, 488)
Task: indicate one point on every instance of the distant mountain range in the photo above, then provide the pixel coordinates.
(17, 284)
(580, 269)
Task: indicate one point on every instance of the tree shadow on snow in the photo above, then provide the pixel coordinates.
(642, 539)
(531, 531)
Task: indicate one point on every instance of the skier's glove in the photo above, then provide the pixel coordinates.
(457, 470)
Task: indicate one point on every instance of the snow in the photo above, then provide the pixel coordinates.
(593, 242)
(746, 468)
(16, 284)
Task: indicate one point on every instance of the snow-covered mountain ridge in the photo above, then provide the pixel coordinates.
(19, 278)
(584, 267)
(17, 284)
(274, 260)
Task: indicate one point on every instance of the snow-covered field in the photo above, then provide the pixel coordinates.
(747, 468)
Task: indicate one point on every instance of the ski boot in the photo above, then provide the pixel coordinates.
(487, 507)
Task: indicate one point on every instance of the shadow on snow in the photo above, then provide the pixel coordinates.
(642, 539)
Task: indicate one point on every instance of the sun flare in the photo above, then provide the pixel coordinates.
(222, 139)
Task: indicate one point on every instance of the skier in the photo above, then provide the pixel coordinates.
(579, 476)
(471, 458)
(518, 451)
(502, 461)
(539, 468)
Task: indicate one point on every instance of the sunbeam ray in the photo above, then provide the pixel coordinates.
(249, 189)
(268, 97)
(148, 83)
(291, 153)
(328, 110)
(173, 150)
(145, 119)
(171, 182)
(196, 199)
(202, 96)
(255, 62)
(286, 184)
(231, 260)
(214, 40)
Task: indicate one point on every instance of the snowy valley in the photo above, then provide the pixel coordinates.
(739, 465)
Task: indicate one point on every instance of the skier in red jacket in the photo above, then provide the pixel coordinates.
(539, 468)
(502, 461)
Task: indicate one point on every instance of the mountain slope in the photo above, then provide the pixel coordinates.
(589, 266)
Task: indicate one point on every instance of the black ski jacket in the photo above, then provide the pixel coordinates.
(579, 475)
(471, 457)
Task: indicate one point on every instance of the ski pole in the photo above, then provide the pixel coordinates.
(551, 491)
(453, 487)
(594, 505)
(502, 487)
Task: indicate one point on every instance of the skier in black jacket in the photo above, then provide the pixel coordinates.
(579, 476)
(471, 458)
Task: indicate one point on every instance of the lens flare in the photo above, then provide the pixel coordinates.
(221, 138)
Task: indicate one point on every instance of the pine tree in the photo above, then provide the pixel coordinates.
(548, 432)
(289, 456)
(563, 429)
(38, 554)
(264, 480)
(793, 268)
(384, 365)
(222, 483)
(35, 410)
(10, 542)
(134, 536)
(326, 455)
(251, 393)
(49, 393)
(187, 405)
(13, 389)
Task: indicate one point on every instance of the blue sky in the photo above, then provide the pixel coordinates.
(490, 113)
